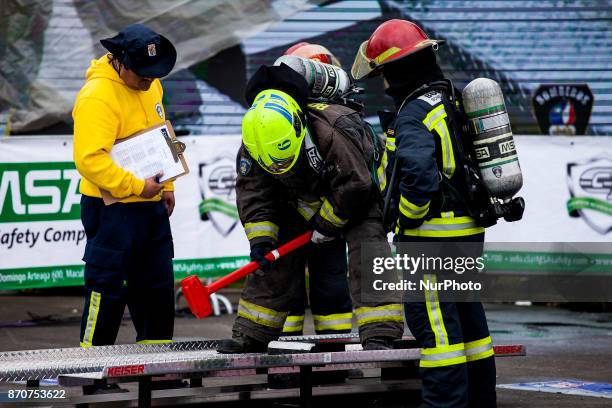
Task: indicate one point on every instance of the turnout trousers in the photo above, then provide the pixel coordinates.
(328, 292)
(457, 363)
(269, 295)
(128, 261)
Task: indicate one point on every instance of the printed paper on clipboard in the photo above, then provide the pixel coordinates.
(147, 153)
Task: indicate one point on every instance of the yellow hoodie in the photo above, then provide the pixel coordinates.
(107, 110)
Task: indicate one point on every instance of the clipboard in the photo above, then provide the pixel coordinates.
(146, 153)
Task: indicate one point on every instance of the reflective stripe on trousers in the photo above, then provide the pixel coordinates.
(443, 356)
(387, 313)
(261, 315)
(336, 321)
(95, 300)
(293, 324)
(434, 313)
(479, 349)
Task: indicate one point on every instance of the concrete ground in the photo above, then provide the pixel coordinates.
(561, 344)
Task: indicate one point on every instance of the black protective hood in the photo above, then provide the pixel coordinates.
(408, 74)
(281, 78)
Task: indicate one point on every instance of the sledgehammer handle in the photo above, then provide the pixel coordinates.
(253, 266)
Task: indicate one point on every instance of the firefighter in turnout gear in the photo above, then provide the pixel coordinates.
(457, 364)
(304, 167)
(328, 292)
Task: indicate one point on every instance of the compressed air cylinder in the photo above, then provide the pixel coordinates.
(325, 80)
(492, 139)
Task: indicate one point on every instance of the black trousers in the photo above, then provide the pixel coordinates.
(128, 261)
(328, 292)
(457, 364)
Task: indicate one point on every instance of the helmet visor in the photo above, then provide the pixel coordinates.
(281, 166)
(362, 66)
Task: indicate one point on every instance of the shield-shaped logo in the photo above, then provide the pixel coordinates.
(590, 186)
(217, 188)
(159, 110)
(563, 109)
(151, 50)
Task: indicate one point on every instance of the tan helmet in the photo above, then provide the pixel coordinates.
(314, 52)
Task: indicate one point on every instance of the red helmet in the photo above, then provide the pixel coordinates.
(392, 40)
(314, 52)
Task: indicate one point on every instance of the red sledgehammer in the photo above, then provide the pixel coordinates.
(198, 295)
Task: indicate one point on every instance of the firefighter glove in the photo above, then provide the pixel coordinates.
(319, 238)
(258, 253)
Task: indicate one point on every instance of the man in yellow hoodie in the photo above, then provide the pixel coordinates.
(129, 251)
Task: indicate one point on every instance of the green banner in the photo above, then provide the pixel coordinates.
(72, 275)
(569, 262)
(589, 203)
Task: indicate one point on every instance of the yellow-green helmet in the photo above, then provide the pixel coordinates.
(273, 131)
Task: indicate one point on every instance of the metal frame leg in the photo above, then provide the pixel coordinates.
(195, 382)
(144, 391)
(306, 386)
(216, 299)
(214, 302)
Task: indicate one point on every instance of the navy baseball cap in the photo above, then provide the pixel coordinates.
(142, 50)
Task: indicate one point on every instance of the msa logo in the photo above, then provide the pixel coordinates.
(507, 147)
(39, 192)
(482, 153)
(314, 159)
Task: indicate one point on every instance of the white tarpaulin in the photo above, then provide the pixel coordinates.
(42, 239)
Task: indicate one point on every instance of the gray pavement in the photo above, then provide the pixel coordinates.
(561, 344)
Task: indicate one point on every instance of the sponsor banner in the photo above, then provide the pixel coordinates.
(567, 189)
(41, 236)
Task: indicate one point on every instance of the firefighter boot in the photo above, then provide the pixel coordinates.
(241, 343)
(378, 343)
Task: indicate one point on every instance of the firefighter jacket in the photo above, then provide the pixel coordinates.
(425, 194)
(331, 184)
